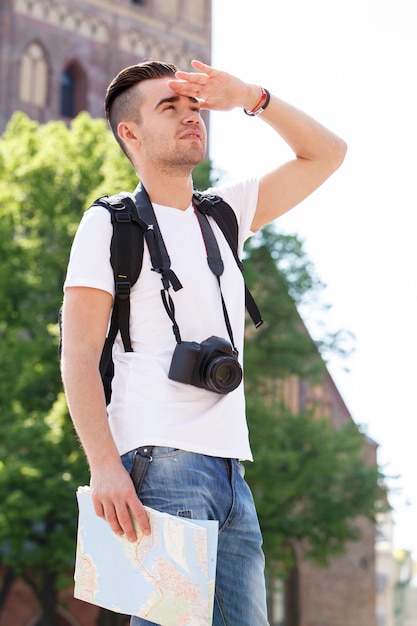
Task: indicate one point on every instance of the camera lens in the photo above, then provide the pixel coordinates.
(223, 374)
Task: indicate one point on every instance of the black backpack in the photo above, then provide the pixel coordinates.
(133, 223)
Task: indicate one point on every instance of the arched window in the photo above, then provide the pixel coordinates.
(67, 93)
(33, 78)
(73, 90)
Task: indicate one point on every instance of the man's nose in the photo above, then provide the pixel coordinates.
(192, 117)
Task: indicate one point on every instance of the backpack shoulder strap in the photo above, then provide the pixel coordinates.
(161, 262)
(225, 218)
(224, 215)
(126, 255)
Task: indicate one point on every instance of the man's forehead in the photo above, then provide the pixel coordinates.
(156, 91)
(155, 88)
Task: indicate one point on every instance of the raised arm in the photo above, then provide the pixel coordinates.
(317, 151)
(85, 316)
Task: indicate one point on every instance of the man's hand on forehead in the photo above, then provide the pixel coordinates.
(190, 84)
(215, 90)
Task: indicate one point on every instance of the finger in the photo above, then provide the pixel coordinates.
(121, 523)
(138, 512)
(111, 517)
(202, 67)
(185, 88)
(98, 507)
(194, 77)
(121, 516)
(188, 81)
(126, 524)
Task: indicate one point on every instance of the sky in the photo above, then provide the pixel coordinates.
(351, 64)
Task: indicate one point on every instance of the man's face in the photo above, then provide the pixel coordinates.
(172, 133)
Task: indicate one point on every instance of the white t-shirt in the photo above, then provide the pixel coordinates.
(147, 408)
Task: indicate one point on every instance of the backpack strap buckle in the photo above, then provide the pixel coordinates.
(123, 217)
(122, 289)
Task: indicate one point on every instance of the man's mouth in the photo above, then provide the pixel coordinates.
(193, 135)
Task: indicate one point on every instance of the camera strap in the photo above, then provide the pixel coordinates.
(215, 263)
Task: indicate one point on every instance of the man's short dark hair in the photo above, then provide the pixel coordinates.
(119, 102)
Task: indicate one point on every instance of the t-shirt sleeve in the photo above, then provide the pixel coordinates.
(242, 196)
(89, 262)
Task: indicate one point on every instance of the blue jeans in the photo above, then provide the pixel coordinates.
(203, 487)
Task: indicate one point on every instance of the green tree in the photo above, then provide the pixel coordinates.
(282, 279)
(38, 475)
(311, 481)
(311, 484)
(50, 174)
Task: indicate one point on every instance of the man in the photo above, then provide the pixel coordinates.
(199, 436)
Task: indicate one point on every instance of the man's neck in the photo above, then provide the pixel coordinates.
(169, 190)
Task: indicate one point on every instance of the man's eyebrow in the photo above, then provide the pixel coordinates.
(173, 99)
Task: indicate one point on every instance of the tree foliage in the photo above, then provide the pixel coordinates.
(50, 174)
(311, 481)
(282, 279)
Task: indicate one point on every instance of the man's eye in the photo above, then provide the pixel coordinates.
(169, 106)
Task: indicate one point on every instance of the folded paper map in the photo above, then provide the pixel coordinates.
(167, 577)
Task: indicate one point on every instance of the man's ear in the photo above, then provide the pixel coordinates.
(128, 133)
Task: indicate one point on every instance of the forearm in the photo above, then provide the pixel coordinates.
(307, 138)
(85, 318)
(113, 492)
(86, 403)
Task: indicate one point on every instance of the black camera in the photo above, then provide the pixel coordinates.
(211, 364)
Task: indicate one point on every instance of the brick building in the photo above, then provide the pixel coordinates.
(344, 593)
(56, 59)
(58, 56)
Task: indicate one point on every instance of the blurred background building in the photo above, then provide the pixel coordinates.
(58, 56)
